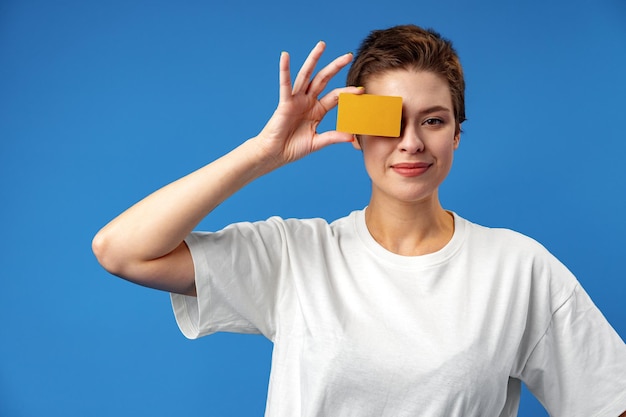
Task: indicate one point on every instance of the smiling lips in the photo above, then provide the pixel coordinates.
(411, 169)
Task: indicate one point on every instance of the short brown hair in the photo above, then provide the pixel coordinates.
(410, 47)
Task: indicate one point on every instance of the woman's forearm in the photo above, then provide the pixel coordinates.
(145, 244)
(158, 224)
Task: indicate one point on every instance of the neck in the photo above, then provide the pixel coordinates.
(410, 229)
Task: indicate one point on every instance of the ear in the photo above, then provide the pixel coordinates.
(356, 143)
(457, 139)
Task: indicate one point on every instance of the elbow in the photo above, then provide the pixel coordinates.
(104, 253)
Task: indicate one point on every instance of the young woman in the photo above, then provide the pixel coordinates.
(399, 309)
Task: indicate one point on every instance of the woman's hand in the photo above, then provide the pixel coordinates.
(291, 133)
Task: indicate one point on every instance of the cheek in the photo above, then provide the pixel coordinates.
(370, 162)
(452, 143)
(445, 153)
(375, 155)
(443, 145)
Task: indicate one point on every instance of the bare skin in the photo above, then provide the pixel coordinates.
(404, 214)
(145, 244)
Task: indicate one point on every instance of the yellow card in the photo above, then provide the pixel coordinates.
(368, 114)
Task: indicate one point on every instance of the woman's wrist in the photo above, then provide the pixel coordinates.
(262, 157)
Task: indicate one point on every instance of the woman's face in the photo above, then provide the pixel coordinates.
(411, 168)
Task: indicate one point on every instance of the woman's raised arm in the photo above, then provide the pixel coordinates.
(145, 243)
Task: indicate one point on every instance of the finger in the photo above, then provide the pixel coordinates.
(303, 78)
(331, 99)
(330, 138)
(320, 81)
(284, 77)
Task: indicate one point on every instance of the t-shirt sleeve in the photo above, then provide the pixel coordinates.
(578, 367)
(238, 280)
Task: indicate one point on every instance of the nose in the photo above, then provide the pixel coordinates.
(410, 141)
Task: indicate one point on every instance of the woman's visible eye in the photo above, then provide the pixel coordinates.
(433, 121)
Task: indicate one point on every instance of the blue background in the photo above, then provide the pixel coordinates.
(103, 102)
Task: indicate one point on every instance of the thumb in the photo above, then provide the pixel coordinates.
(331, 137)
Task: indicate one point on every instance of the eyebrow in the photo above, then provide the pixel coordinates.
(434, 109)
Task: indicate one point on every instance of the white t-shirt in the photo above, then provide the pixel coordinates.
(360, 331)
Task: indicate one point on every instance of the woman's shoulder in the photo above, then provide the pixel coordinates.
(500, 238)
(506, 249)
(309, 222)
(295, 225)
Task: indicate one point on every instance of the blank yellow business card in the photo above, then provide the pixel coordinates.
(369, 114)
